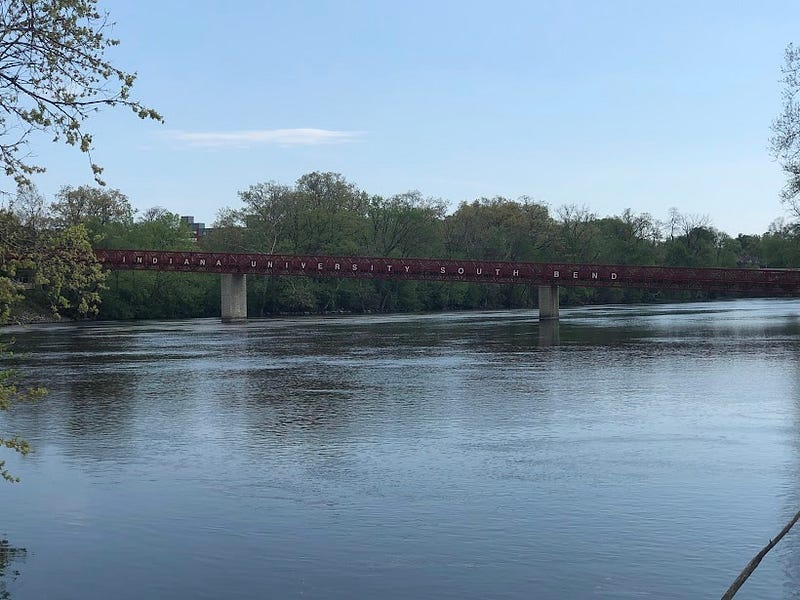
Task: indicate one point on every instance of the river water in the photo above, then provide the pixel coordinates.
(636, 452)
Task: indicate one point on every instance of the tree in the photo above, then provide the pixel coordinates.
(577, 233)
(11, 393)
(404, 224)
(500, 229)
(67, 272)
(268, 209)
(54, 74)
(785, 142)
(65, 275)
(628, 239)
(91, 206)
(156, 295)
(14, 245)
(30, 207)
(331, 215)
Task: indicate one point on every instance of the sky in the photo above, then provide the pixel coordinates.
(604, 104)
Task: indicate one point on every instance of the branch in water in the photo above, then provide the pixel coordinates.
(751, 566)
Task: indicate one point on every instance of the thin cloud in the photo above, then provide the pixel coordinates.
(280, 137)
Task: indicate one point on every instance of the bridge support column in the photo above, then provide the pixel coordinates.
(548, 302)
(234, 298)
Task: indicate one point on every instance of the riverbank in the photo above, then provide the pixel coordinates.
(29, 314)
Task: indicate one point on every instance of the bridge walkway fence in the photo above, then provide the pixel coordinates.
(547, 277)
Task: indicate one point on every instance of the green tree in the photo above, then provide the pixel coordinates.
(269, 209)
(65, 276)
(332, 215)
(156, 295)
(66, 272)
(577, 234)
(54, 74)
(500, 229)
(405, 224)
(496, 229)
(15, 246)
(780, 246)
(98, 209)
(628, 239)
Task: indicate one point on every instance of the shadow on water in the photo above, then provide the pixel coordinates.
(9, 555)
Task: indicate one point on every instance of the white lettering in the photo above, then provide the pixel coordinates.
(389, 268)
(170, 260)
(253, 264)
(319, 266)
(302, 265)
(123, 259)
(574, 274)
(594, 275)
(613, 276)
(442, 270)
(269, 264)
(407, 269)
(155, 260)
(515, 273)
(460, 270)
(186, 261)
(218, 263)
(355, 267)
(139, 260)
(497, 271)
(478, 271)
(556, 274)
(372, 268)
(202, 262)
(336, 266)
(286, 265)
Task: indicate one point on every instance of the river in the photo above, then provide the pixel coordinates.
(636, 452)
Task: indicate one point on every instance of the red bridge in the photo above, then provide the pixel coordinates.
(548, 276)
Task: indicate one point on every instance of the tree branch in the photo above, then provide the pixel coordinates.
(751, 566)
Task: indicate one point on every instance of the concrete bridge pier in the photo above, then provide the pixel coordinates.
(234, 298)
(548, 302)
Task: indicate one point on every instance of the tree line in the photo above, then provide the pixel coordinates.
(323, 214)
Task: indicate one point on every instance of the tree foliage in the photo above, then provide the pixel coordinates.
(53, 268)
(93, 207)
(785, 142)
(11, 393)
(323, 213)
(54, 74)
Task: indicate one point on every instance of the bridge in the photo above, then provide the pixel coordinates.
(234, 268)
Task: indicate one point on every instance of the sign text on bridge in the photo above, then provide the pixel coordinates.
(766, 281)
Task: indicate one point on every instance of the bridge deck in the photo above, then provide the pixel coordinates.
(761, 281)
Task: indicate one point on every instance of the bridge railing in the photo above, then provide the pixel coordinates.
(767, 281)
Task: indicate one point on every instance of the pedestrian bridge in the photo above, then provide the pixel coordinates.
(234, 268)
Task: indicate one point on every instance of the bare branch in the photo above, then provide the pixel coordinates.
(54, 75)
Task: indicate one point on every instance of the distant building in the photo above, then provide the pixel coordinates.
(199, 230)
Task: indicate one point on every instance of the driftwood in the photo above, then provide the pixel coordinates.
(751, 566)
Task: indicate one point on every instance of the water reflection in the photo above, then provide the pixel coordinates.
(789, 554)
(549, 334)
(10, 559)
(453, 456)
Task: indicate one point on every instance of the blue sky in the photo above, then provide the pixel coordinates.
(608, 104)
